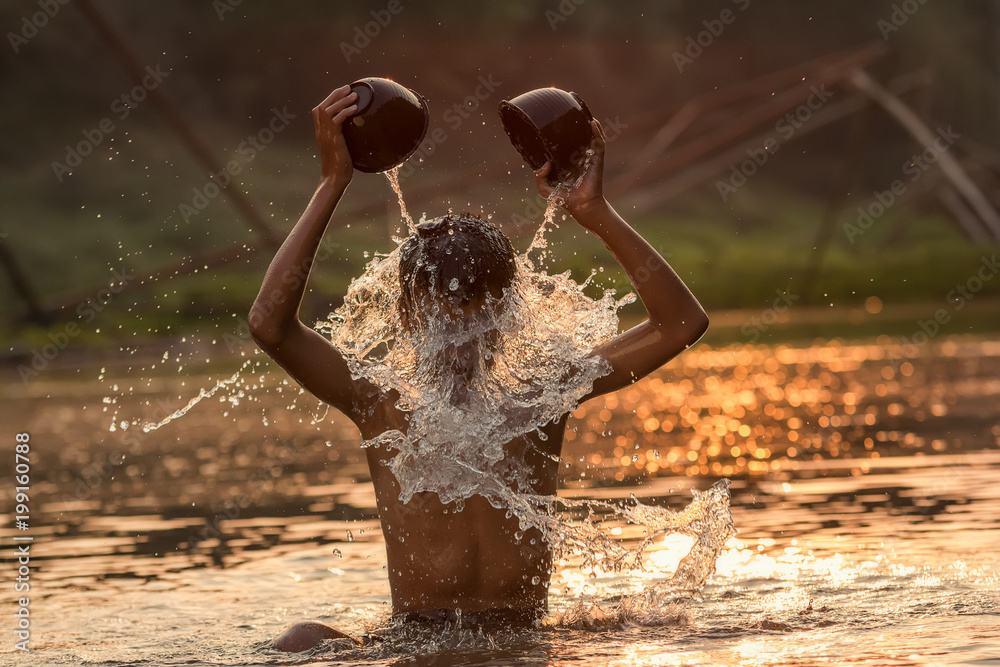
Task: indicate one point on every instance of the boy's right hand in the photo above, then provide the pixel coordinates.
(328, 119)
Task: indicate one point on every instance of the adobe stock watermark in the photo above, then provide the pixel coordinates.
(223, 7)
(293, 279)
(363, 35)
(901, 14)
(248, 150)
(613, 129)
(755, 326)
(120, 108)
(85, 310)
(30, 25)
(565, 9)
(232, 508)
(454, 117)
(956, 299)
(915, 168)
(653, 264)
(786, 127)
(94, 475)
(696, 44)
(650, 266)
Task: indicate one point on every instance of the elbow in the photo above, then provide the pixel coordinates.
(264, 333)
(697, 325)
(687, 329)
(702, 327)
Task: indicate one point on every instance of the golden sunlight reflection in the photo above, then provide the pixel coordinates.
(791, 563)
(753, 411)
(663, 559)
(863, 482)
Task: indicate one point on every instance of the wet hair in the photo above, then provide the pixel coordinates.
(456, 258)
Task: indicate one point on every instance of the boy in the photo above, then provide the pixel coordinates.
(440, 561)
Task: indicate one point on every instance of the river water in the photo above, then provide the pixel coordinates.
(864, 491)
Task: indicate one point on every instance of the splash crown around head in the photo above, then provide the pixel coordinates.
(455, 265)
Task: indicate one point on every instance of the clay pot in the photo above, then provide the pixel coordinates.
(389, 124)
(549, 124)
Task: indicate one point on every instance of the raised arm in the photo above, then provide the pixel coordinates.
(274, 318)
(675, 318)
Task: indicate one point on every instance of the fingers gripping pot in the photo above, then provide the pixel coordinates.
(388, 126)
(549, 124)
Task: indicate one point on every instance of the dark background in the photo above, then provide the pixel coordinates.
(231, 65)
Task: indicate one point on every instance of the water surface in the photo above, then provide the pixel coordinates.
(863, 481)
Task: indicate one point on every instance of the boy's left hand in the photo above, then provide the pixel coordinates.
(590, 192)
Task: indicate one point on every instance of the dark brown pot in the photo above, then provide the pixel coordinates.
(549, 124)
(389, 124)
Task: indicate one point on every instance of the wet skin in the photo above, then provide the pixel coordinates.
(443, 558)
(439, 558)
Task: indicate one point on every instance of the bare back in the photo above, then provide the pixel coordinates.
(443, 558)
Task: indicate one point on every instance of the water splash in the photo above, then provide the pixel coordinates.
(202, 394)
(555, 199)
(393, 177)
(457, 389)
(707, 519)
(477, 388)
(538, 241)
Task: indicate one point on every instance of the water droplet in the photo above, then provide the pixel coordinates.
(549, 328)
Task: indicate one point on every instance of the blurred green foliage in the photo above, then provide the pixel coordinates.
(120, 207)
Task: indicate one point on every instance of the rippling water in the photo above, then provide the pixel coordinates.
(864, 491)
